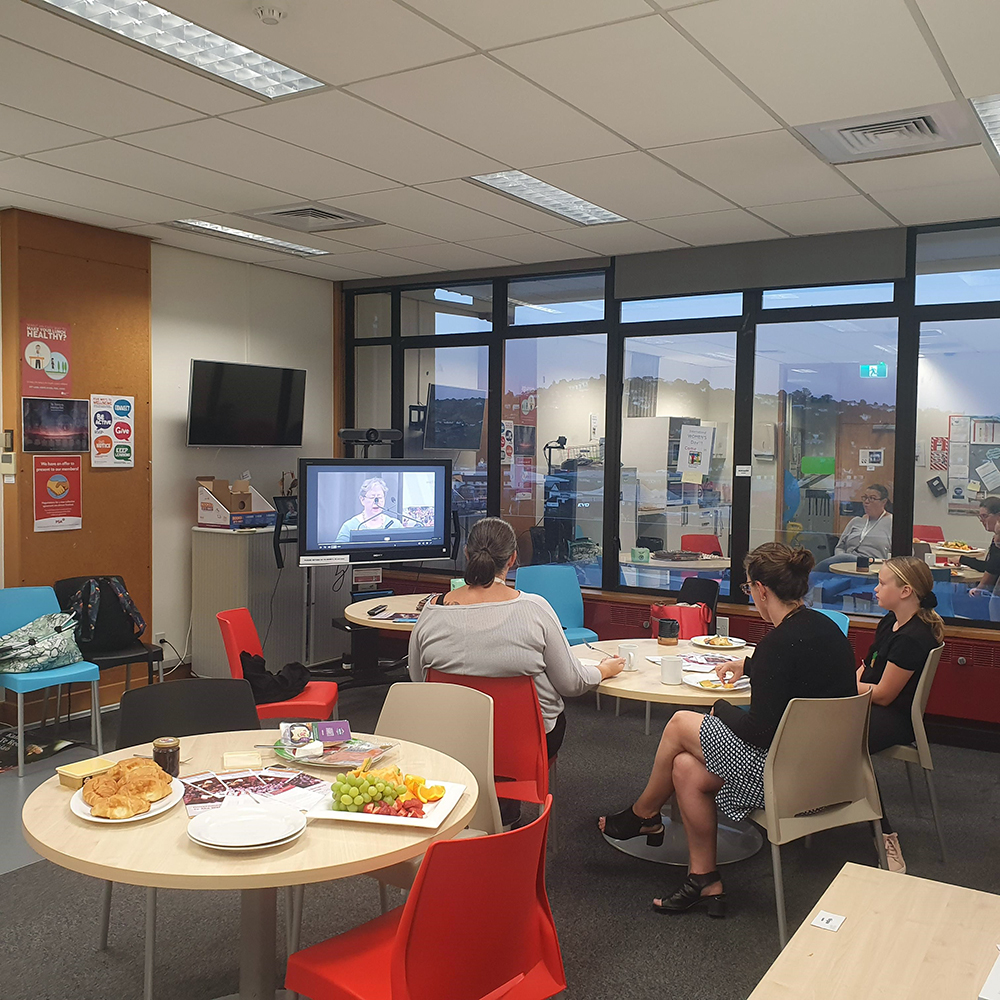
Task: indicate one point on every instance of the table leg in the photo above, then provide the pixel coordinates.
(258, 935)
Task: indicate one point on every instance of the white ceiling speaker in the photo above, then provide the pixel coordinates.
(269, 14)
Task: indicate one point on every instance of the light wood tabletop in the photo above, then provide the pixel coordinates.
(357, 613)
(959, 574)
(157, 852)
(906, 938)
(709, 563)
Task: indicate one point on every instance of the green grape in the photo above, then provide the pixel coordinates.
(367, 797)
(341, 777)
(379, 786)
(352, 808)
(376, 796)
(346, 799)
(358, 800)
(352, 780)
(400, 789)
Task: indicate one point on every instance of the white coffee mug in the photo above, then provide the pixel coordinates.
(671, 670)
(627, 651)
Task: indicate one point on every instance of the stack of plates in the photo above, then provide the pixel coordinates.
(247, 825)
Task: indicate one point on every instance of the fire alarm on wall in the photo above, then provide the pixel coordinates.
(269, 13)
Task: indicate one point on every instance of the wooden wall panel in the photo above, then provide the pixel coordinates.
(97, 282)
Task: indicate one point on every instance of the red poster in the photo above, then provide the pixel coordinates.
(44, 359)
(58, 499)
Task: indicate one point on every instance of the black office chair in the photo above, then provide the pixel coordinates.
(180, 708)
(650, 542)
(700, 590)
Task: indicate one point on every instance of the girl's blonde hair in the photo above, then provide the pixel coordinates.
(913, 572)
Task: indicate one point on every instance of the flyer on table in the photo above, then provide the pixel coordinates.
(58, 498)
(44, 359)
(112, 432)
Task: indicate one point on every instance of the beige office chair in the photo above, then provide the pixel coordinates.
(836, 789)
(920, 753)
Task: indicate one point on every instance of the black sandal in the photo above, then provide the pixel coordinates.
(689, 895)
(625, 825)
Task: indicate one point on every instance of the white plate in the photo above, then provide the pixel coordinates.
(81, 809)
(694, 680)
(246, 824)
(435, 813)
(700, 640)
(252, 847)
(947, 550)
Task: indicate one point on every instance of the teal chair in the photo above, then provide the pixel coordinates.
(838, 616)
(18, 606)
(559, 585)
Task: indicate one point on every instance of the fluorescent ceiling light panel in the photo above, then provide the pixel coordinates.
(988, 109)
(242, 236)
(530, 189)
(172, 36)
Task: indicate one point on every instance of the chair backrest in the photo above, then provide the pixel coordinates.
(700, 590)
(702, 543)
(239, 634)
(559, 585)
(838, 616)
(921, 549)
(457, 721)
(819, 760)
(186, 708)
(652, 542)
(519, 750)
(928, 533)
(483, 939)
(919, 705)
(20, 605)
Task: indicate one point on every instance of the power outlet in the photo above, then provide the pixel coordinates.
(158, 637)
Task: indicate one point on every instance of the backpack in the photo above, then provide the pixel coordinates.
(107, 618)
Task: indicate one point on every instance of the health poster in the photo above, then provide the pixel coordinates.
(44, 359)
(58, 500)
(112, 432)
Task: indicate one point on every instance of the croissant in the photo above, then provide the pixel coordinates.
(120, 806)
(148, 787)
(99, 787)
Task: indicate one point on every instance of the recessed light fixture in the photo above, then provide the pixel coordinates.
(176, 38)
(524, 187)
(805, 371)
(242, 236)
(988, 109)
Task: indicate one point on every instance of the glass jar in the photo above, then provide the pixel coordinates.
(167, 753)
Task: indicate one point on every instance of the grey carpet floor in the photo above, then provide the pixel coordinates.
(613, 945)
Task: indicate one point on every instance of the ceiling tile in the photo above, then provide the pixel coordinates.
(489, 108)
(78, 97)
(943, 203)
(818, 62)
(43, 181)
(601, 71)
(318, 241)
(948, 166)
(345, 127)
(489, 25)
(316, 269)
(409, 208)
(141, 68)
(829, 215)
(382, 264)
(222, 146)
(212, 245)
(383, 237)
(333, 42)
(59, 210)
(763, 169)
(530, 248)
(967, 32)
(634, 185)
(491, 202)
(619, 238)
(23, 133)
(116, 161)
(451, 257)
(734, 226)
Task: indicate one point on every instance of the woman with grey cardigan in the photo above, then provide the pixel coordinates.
(486, 629)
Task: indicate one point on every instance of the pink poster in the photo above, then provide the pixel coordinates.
(44, 359)
(58, 500)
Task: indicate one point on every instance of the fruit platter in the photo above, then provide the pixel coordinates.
(957, 549)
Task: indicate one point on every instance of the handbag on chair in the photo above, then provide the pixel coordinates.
(693, 619)
(43, 644)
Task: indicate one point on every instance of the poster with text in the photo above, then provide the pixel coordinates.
(695, 454)
(58, 500)
(44, 359)
(55, 424)
(112, 432)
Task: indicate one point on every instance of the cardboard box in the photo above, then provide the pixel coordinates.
(233, 506)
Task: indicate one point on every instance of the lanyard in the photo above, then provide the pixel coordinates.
(870, 525)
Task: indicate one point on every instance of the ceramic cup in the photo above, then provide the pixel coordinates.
(671, 670)
(627, 651)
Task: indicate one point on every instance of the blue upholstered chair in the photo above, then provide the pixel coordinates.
(18, 606)
(838, 616)
(559, 585)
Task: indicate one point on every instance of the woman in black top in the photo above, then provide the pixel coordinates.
(718, 760)
(989, 517)
(892, 668)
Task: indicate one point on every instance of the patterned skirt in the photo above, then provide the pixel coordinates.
(738, 763)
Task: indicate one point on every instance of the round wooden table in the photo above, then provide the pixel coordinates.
(357, 613)
(157, 852)
(737, 840)
(959, 574)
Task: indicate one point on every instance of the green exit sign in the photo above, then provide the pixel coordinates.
(880, 370)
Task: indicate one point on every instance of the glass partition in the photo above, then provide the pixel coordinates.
(683, 307)
(677, 450)
(962, 265)
(560, 298)
(373, 367)
(372, 315)
(827, 295)
(446, 309)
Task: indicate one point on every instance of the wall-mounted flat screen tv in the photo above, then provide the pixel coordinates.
(234, 405)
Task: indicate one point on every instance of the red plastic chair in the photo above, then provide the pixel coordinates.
(475, 926)
(239, 634)
(702, 543)
(927, 533)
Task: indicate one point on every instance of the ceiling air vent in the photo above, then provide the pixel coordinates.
(898, 133)
(309, 217)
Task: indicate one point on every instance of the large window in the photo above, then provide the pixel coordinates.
(564, 298)
(447, 309)
(824, 427)
(373, 367)
(552, 473)
(958, 266)
(683, 307)
(677, 448)
(372, 315)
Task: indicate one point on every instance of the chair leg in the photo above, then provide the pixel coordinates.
(58, 719)
(598, 695)
(883, 862)
(913, 787)
(159, 670)
(779, 894)
(936, 812)
(298, 900)
(383, 897)
(45, 707)
(95, 714)
(20, 734)
(147, 974)
(102, 940)
(618, 707)
(649, 706)
(553, 830)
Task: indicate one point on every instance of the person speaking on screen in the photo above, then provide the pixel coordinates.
(373, 516)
